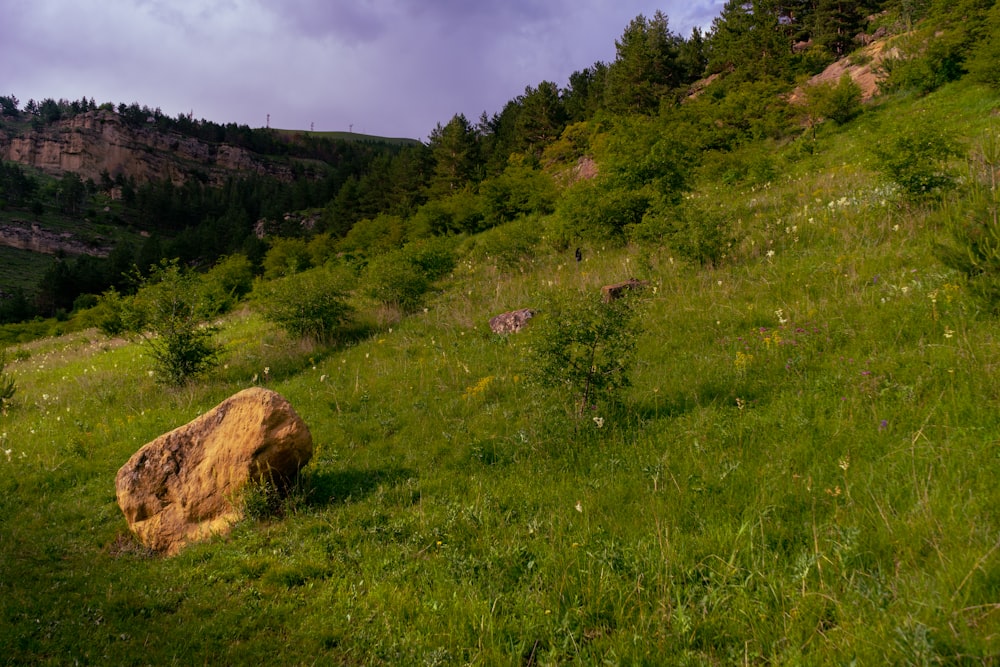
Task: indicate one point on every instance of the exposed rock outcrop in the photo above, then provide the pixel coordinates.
(30, 236)
(97, 141)
(512, 322)
(187, 485)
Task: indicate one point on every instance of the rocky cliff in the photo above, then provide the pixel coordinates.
(97, 141)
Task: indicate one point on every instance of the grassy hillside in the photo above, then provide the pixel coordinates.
(349, 136)
(803, 471)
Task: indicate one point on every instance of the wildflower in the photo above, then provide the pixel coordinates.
(267, 371)
(883, 425)
(599, 421)
(770, 253)
(322, 378)
(948, 333)
(7, 452)
(579, 508)
(844, 463)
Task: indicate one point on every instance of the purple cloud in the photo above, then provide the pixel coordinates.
(389, 67)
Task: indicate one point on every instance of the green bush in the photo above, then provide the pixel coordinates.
(839, 103)
(308, 305)
(695, 232)
(507, 246)
(916, 159)
(598, 210)
(393, 279)
(435, 257)
(285, 257)
(228, 281)
(169, 312)
(7, 385)
(585, 347)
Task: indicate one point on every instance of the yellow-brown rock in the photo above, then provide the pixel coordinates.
(186, 485)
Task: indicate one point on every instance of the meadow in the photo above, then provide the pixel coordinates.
(802, 472)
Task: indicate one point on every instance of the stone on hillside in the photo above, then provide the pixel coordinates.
(185, 486)
(512, 322)
(610, 293)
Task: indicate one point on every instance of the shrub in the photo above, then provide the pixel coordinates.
(839, 103)
(285, 257)
(168, 312)
(695, 232)
(228, 281)
(7, 385)
(435, 258)
(916, 159)
(597, 210)
(974, 224)
(308, 305)
(393, 280)
(510, 244)
(585, 346)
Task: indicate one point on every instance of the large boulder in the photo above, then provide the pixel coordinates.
(186, 485)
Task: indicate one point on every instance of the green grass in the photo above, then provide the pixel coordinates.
(348, 136)
(804, 471)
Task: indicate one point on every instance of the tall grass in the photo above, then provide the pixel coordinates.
(803, 471)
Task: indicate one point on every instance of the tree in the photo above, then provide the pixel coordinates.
(747, 38)
(8, 106)
(834, 23)
(645, 67)
(455, 154)
(542, 117)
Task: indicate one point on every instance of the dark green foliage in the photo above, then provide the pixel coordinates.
(311, 304)
(985, 55)
(7, 385)
(455, 153)
(585, 347)
(916, 159)
(645, 68)
(169, 312)
(747, 39)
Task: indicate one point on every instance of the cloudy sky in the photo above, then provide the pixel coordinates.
(388, 67)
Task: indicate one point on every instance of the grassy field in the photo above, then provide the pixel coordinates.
(348, 136)
(803, 472)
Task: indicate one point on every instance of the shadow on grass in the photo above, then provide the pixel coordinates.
(332, 487)
(670, 405)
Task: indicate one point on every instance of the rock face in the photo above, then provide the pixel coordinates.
(185, 485)
(512, 322)
(98, 141)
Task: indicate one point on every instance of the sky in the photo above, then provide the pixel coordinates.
(393, 68)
